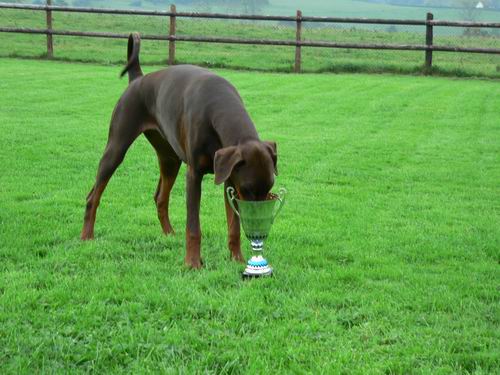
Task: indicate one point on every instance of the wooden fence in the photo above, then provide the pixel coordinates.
(429, 47)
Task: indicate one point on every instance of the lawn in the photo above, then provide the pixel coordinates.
(386, 254)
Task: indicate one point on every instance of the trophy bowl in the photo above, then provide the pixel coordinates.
(257, 218)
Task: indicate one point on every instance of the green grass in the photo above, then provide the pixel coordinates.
(340, 8)
(354, 8)
(259, 58)
(386, 254)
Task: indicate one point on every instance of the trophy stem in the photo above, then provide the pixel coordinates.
(257, 266)
(257, 246)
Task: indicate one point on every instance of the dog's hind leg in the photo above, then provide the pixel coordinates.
(125, 128)
(169, 168)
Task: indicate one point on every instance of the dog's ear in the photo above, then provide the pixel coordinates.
(224, 162)
(273, 151)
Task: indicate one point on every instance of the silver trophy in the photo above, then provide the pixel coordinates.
(256, 218)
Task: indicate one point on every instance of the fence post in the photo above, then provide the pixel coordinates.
(171, 43)
(429, 40)
(298, 38)
(50, 45)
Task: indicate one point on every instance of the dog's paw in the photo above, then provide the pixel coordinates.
(87, 236)
(193, 263)
(238, 257)
(168, 231)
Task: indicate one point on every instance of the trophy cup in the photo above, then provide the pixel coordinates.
(256, 218)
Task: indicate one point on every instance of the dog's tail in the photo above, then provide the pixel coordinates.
(133, 66)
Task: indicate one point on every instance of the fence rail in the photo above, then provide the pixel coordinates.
(429, 47)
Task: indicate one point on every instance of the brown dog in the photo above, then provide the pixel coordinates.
(189, 115)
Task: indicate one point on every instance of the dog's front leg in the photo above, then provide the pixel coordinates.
(233, 229)
(193, 231)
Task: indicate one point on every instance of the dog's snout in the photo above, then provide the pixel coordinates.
(246, 194)
(253, 193)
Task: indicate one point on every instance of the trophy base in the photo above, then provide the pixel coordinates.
(257, 266)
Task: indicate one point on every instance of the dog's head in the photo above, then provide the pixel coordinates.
(250, 167)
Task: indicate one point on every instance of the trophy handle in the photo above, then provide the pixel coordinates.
(281, 198)
(231, 197)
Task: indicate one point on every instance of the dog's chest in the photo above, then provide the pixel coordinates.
(205, 164)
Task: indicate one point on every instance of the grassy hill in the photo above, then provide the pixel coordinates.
(385, 254)
(340, 8)
(248, 57)
(353, 8)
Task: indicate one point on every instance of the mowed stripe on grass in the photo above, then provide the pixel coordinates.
(386, 253)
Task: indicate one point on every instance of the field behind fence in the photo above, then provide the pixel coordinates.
(306, 44)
